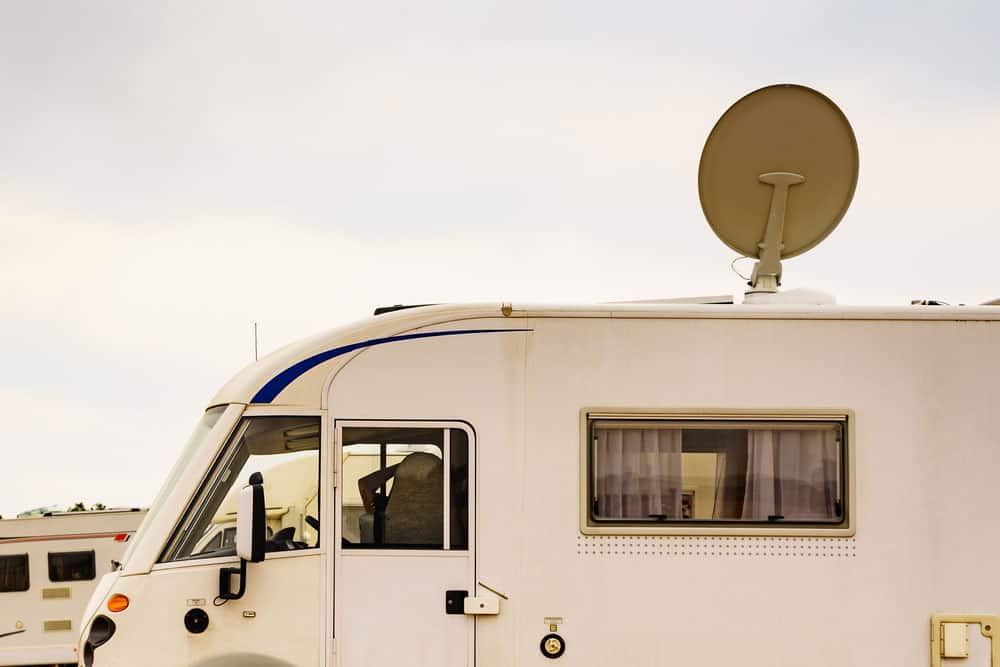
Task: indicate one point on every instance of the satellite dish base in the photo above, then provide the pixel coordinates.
(792, 297)
(764, 283)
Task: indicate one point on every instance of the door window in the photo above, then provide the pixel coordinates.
(405, 488)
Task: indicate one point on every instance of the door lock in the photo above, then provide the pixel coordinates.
(453, 602)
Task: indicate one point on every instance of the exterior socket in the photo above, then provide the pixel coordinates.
(553, 646)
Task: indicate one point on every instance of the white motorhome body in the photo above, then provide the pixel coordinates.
(504, 422)
(49, 567)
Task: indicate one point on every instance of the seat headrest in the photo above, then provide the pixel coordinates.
(418, 466)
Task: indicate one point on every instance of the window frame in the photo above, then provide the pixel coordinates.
(27, 573)
(88, 552)
(212, 473)
(446, 549)
(708, 416)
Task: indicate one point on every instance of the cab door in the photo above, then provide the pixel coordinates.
(404, 556)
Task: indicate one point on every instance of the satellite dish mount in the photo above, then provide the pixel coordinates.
(766, 276)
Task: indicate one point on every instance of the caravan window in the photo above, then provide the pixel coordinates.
(13, 573)
(397, 484)
(285, 450)
(72, 566)
(715, 472)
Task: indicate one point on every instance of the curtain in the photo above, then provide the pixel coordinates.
(638, 473)
(791, 475)
(724, 495)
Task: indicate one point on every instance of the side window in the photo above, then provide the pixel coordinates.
(72, 566)
(676, 472)
(405, 488)
(212, 545)
(14, 573)
(285, 450)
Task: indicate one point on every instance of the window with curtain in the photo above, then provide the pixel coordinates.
(716, 471)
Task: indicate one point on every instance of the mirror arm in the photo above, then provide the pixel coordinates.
(225, 581)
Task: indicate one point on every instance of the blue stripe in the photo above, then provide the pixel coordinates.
(278, 383)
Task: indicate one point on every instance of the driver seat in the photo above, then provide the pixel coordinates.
(413, 512)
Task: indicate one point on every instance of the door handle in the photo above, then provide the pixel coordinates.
(459, 602)
(482, 606)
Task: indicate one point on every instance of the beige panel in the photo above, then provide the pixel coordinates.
(62, 624)
(59, 593)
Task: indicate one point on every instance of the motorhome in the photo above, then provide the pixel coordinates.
(782, 481)
(49, 566)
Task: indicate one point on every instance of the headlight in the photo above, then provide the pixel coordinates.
(101, 630)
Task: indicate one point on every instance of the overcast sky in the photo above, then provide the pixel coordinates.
(172, 172)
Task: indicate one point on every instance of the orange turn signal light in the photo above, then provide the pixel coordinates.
(117, 602)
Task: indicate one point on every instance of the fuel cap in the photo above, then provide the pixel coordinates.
(196, 620)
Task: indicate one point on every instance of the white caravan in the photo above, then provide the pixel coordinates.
(705, 484)
(49, 566)
(552, 496)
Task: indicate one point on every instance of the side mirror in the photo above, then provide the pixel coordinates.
(251, 536)
(251, 527)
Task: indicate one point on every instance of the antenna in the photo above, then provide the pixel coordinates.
(777, 174)
(255, 348)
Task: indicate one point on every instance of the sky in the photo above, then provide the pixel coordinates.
(171, 173)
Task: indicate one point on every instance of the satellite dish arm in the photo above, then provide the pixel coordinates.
(767, 271)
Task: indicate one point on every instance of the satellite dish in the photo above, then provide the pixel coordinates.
(777, 174)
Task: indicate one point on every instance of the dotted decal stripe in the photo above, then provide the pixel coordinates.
(701, 546)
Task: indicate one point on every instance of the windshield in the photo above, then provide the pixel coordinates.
(285, 451)
(195, 441)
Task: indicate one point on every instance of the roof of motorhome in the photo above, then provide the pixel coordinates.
(262, 381)
(71, 524)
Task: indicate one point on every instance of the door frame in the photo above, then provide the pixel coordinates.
(336, 552)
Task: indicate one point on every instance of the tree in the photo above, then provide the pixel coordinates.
(80, 506)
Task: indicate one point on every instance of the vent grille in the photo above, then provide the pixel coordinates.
(60, 593)
(54, 626)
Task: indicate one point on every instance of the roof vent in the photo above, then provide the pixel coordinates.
(382, 310)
